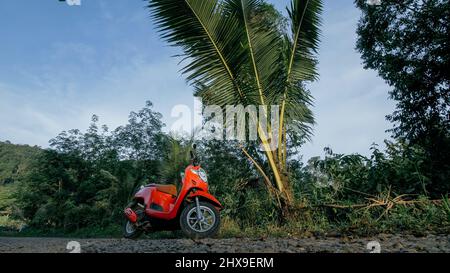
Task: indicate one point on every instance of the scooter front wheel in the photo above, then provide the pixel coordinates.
(205, 224)
(130, 231)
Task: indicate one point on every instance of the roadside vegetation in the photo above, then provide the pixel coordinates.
(80, 186)
(246, 52)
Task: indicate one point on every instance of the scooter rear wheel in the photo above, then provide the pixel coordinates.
(205, 227)
(130, 231)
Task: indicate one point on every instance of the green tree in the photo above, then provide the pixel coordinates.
(16, 162)
(407, 43)
(176, 158)
(142, 137)
(238, 57)
(86, 178)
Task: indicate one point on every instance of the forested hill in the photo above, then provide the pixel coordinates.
(15, 161)
(15, 164)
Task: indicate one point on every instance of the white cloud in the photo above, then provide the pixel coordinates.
(35, 116)
(24, 120)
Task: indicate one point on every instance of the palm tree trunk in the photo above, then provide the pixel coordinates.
(270, 158)
(281, 179)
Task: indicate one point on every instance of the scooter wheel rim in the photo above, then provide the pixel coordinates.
(129, 228)
(206, 223)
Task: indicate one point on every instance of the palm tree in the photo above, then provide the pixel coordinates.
(234, 57)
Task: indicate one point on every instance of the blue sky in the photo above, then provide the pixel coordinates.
(60, 64)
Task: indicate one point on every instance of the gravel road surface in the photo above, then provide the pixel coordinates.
(388, 243)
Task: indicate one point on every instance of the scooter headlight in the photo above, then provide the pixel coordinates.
(202, 174)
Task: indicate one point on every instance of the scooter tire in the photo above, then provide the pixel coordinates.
(130, 234)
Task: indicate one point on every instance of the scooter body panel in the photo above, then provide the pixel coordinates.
(144, 195)
(165, 206)
(207, 196)
(162, 208)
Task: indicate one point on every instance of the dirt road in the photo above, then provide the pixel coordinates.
(387, 243)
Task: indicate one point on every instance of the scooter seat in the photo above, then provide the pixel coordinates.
(169, 189)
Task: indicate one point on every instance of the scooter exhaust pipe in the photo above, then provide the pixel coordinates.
(131, 215)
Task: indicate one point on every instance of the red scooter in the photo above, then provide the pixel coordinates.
(161, 207)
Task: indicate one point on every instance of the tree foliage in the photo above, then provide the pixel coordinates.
(88, 177)
(353, 177)
(16, 162)
(407, 43)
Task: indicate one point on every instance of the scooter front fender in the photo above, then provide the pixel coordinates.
(207, 196)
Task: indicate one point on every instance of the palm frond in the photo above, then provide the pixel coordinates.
(234, 59)
(300, 60)
(207, 35)
(305, 23)
(262, 43)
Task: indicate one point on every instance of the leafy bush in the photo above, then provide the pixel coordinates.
(353, 177)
